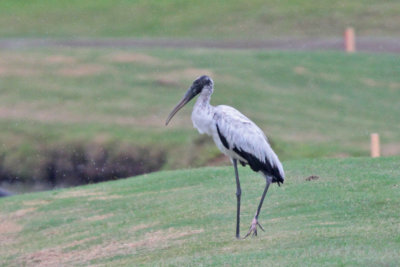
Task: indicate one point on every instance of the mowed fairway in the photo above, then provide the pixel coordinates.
(321, 104)
(348, 216)
(252, 19)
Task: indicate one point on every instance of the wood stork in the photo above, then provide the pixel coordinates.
(237, 137)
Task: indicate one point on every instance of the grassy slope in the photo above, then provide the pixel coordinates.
(203, 19)
(310, 104)
(349, 216)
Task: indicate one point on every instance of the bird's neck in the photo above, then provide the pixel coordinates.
(203, 101)
(203, 113)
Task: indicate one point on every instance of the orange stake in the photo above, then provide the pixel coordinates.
(349, 40)
(375, 150)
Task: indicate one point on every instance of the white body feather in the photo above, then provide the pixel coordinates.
(238, 130)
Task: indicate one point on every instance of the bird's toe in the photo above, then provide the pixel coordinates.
(253, 228)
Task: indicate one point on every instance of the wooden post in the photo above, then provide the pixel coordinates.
(375, 150)
(349, 40)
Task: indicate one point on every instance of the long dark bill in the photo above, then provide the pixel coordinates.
(186, 98)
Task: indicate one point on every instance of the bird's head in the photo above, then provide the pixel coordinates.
(202, 83)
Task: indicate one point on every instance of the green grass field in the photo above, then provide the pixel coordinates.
(347, 217)
(233, 19)
(61, 107)
(322, 104)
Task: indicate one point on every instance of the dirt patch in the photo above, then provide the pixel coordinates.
(104, 197)
(142, 226)
(19, 65)
(9, 227)
(300, 70)
(391, 149)
(79, 242)
(329, 77)
(59, 256)
(36, 202)
(99, 217)
(18, 71)
(171, 78)
(77, 193)
(166, 82)
(22, 212)
(152, 120)
(60, 59)
(82, 70)
(327, 223)
(9, 231)
(11, 58)
(337, 98)
(370, 82)
(134, 58)
(161, 237)
(373, 83)
(32, 111)
(340, 155)
(312, 178)
(277, 220)
(394, 85)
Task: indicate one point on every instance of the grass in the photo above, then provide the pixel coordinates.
(322, 104)
(234, 19)
(349, 216)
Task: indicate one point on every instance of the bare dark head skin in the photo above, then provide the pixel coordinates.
(194, 90)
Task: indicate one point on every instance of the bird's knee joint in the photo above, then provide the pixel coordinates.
(238, 193)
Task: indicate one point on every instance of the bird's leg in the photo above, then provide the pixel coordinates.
(238, 194)
(254, 223)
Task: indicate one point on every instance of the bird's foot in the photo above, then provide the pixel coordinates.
(253, 227)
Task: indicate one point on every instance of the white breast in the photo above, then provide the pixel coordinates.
(202, 115)
(202, 121)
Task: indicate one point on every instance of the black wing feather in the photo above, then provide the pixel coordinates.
(222, 138)
(257, 165)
